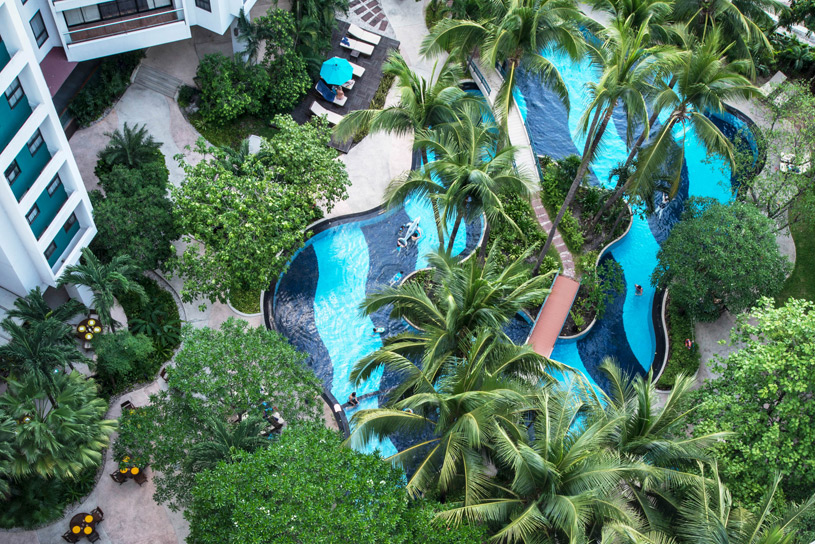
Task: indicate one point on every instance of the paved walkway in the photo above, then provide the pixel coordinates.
(553, 315)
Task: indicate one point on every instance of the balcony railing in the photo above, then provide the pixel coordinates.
(123, 25)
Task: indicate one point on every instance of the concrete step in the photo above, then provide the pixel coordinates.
(158, 81)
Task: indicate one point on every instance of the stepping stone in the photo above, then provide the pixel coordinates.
(372, 4)
(377, 9)
(360, 10)
(376, 19)
(383, 26)
(367, 16)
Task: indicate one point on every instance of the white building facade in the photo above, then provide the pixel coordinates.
(45, 217)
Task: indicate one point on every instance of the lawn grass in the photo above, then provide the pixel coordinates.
(232, 134)
(801, 284)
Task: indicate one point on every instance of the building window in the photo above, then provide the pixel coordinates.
(70, 222)
(111, 10)
(14, 93)
(54, 185)
(50, 250)
(12, 172)
(38, 28)
(204, 5)
(32, 214)
(35, 143)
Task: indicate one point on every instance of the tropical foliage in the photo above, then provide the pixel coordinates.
(129, 147)
(220, 378)
(720, 257)
(242, 227)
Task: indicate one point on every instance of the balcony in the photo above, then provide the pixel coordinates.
(124, 25)
(4, 55)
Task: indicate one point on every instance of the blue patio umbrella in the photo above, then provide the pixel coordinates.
(336, 71)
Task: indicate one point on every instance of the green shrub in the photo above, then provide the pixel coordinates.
(555, 184)
(244, 301)
(681, 360)
(223, 94)
(377, 102)
(107, 84)
(186, 94)
(121, 358)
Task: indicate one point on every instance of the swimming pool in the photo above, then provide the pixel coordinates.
(627, 330)
(316, 302)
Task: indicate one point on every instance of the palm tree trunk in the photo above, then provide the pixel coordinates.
(633, 153)
(435, 205)
(581, 172)
(482, 252)
(453, 234)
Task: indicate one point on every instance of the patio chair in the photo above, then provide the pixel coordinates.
(70, 537)
(127, 405)
(140, 478)
(118, 477)
(359, 71)
(331, 117)
(98, 515)
(329, 95)
(356, 45)
(163, 373)
(364, 35)
(94, 536)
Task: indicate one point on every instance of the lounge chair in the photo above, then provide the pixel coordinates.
(364, 35)
(332, 117)
(359, 71)
(329, 95)
(356, 45)
(348, 85)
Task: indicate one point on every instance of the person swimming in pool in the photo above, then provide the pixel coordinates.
(378, 330)
(637, 289)
(396, 279)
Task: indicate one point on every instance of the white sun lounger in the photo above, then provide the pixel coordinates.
(364, 35)
(358, 70)
(356, 45)
(332, 117)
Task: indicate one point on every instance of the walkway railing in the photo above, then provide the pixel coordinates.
(125, 25)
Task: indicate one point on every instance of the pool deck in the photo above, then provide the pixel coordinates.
(553, 315)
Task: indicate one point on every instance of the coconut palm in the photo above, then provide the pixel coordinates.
(38, 351)
(473, 171)
(562, 479)
(32, 308)
(650, 13)
(226, 440)
(422, 104)
(707, 516)
(466, 297)
(131, 147)
(107, 281)
(480, 395)
(53, 441)
(7, 427)
(629, 68)
(705, 81)
(513, 35)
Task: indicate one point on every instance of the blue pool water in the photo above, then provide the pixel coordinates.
(626, 331)
(316, 302)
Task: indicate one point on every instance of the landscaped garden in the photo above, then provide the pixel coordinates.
(393, 395)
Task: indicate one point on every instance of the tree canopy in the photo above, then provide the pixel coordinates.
(720, 257)
(307, 488)
(764, 395)
(242, 225)
(221, 375)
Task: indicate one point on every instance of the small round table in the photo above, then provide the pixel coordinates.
(87, 328)
(82, 524)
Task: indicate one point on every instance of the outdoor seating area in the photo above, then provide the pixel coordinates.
(83, 525)
(349, 78)
(129, 471)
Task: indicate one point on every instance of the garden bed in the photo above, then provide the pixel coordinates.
(681, 360)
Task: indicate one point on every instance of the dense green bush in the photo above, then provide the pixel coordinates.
(107, 84)
(512, 243)
(682, 360)
(186, 95)
(121, 358)
(224, 96)
(557, 177)
(246, 301)
(377, 102)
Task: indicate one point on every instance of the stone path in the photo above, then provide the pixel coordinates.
(566, 258)
(370, 13)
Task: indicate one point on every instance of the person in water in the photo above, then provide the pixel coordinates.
(352, 399)
(637, 289)
(378, 330)
(396, 278)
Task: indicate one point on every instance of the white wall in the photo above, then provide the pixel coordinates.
(26, 12)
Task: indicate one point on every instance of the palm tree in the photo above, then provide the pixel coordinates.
(707, 516)
(107, 281)
(251, 35)
(131, 147)
(649, 13)
(422, 104)
(513, 35)
(705, 80)
(480, 395)
(32, 308)
(630, 65)
(6, 453)
(465, 298)
(38, 351)
(226, 440)
(473, 170)
(562, 479)
(52, 441)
